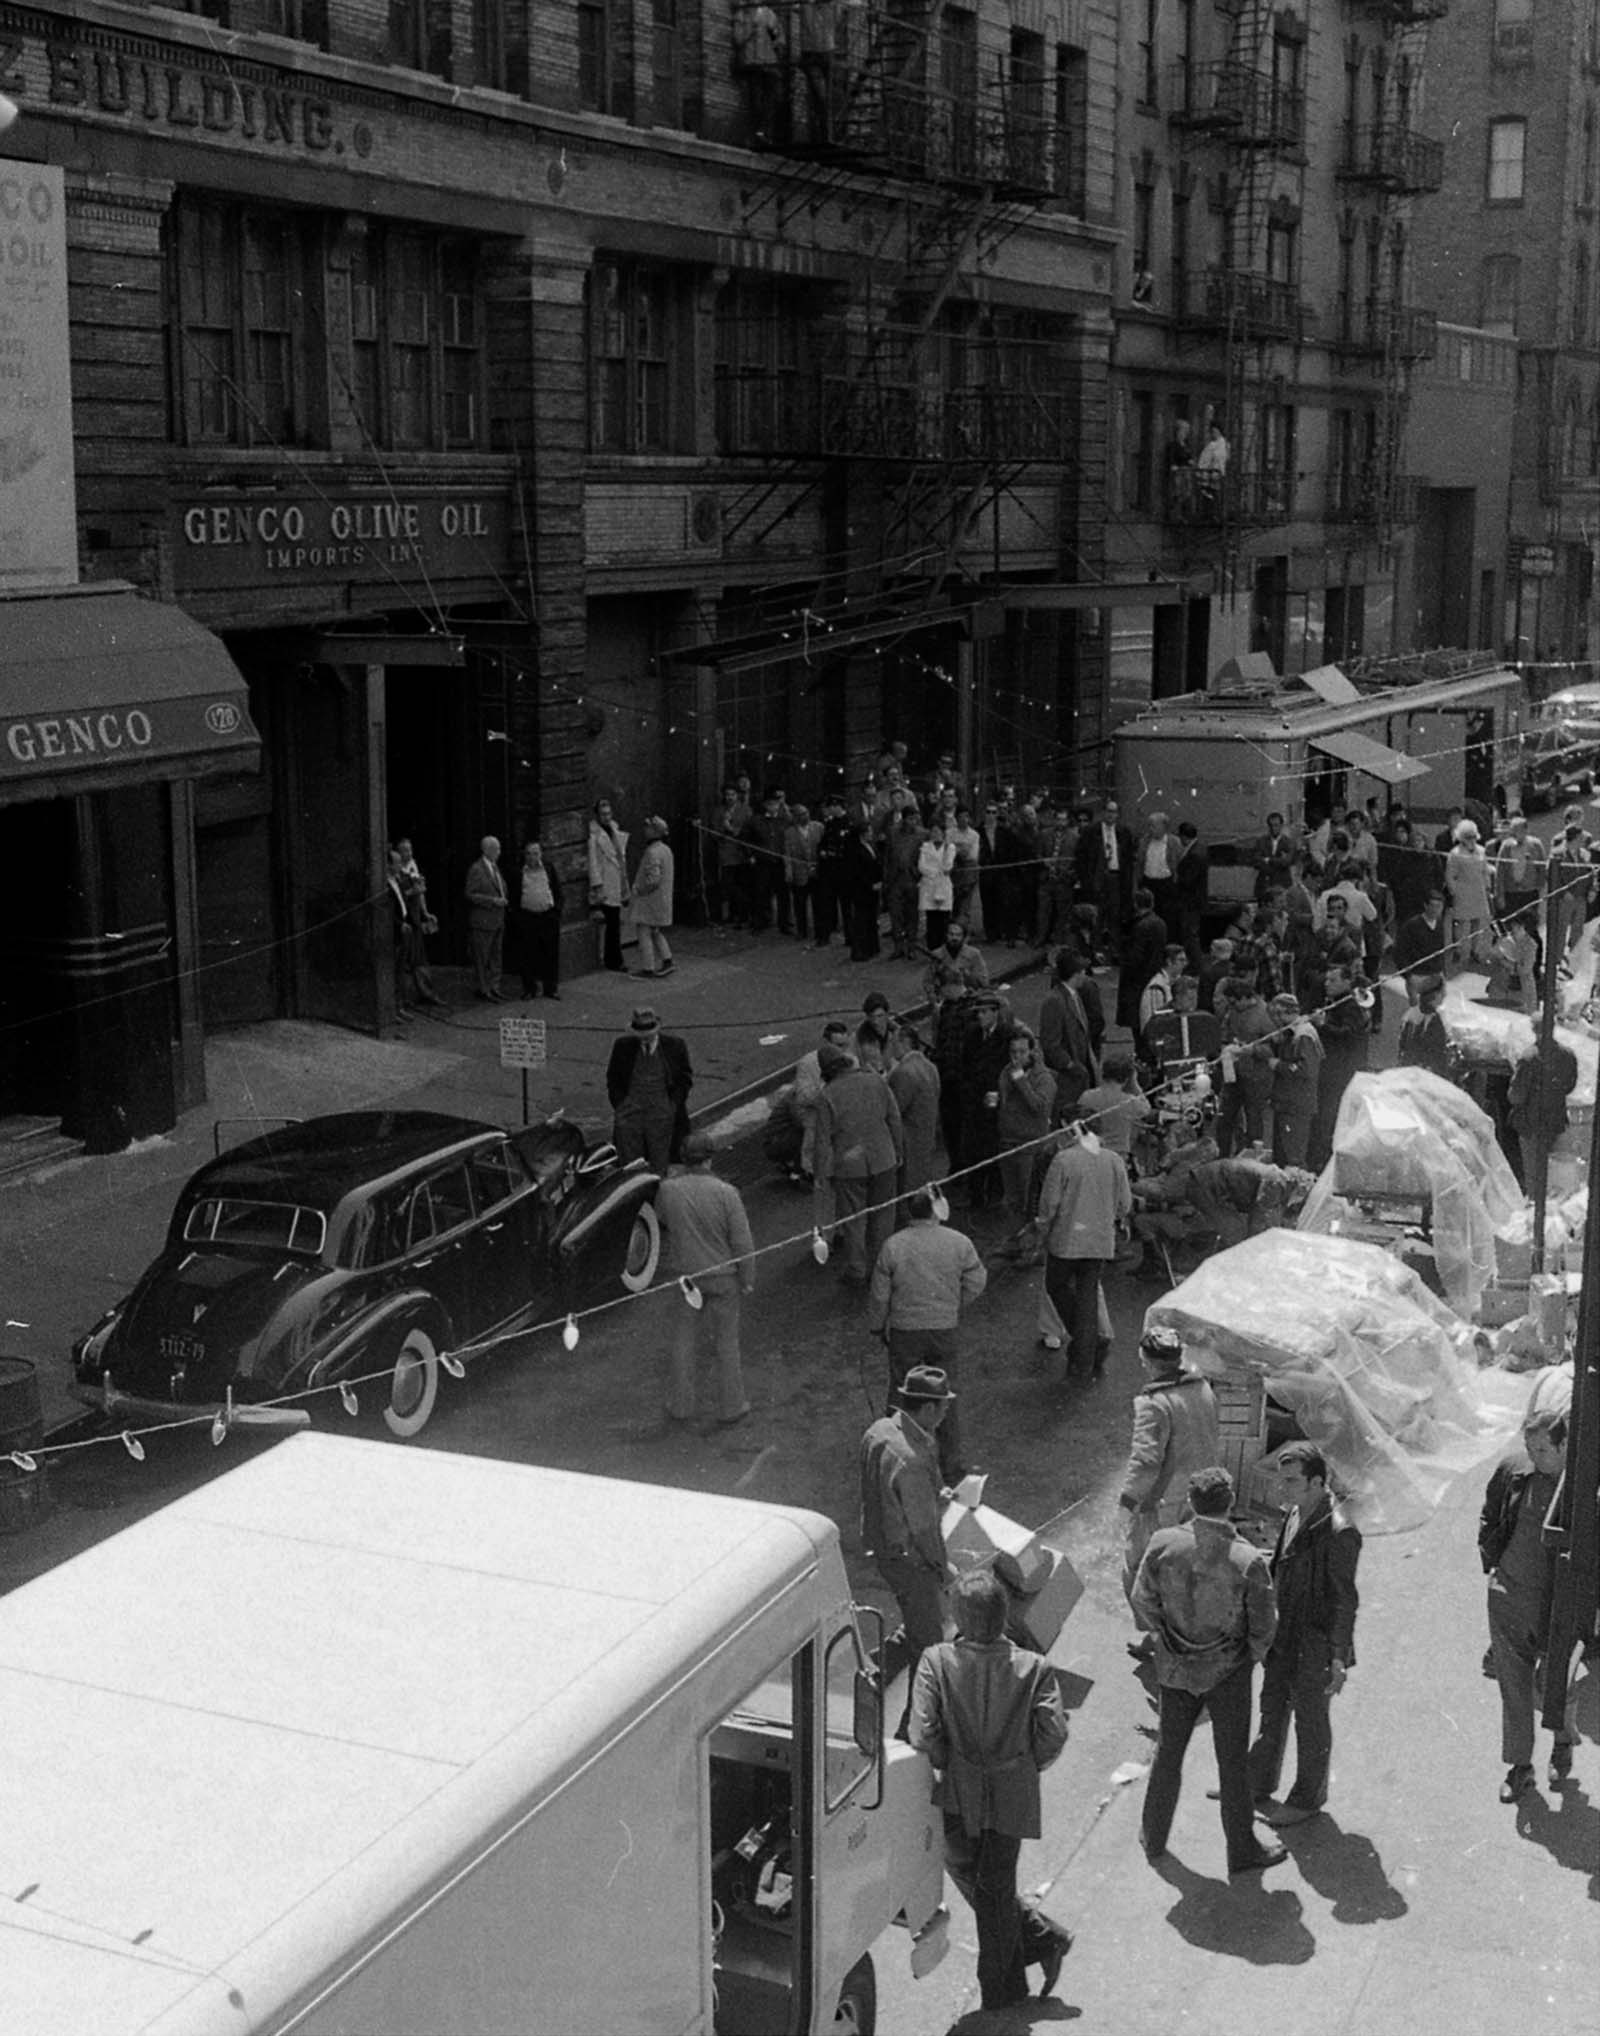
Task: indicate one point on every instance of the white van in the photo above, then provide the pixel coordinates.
(361, 1741)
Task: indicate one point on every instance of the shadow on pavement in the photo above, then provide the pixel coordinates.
(1344, 1868)
(1025, 2015)
(1567, 1825)
(1238, 1919)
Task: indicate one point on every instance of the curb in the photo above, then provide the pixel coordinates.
(709, 1115)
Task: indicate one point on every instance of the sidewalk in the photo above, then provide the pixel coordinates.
(1418, 1905)
(79, 1233)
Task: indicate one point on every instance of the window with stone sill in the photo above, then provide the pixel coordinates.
(1513, 32)
(420, 34)
(1507, 149)
(237, 333)
(298, 20)
(639, 354)
(417, 341)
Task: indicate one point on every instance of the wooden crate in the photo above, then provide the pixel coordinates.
(1241, 1399)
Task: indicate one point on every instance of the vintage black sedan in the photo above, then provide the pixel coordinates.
(370, 1243)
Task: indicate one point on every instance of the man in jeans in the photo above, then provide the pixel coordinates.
(1205, 1595)
(989, 1717)
(1314, 1581)
(1084, 1198)
(924, 1279)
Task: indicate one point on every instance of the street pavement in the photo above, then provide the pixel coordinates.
(1419, 1904)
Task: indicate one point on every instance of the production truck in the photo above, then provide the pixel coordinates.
(362, 1741)
(1225, 760)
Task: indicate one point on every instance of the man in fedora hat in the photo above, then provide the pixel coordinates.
(648, 1079)
(901, 1492)
(1175, 1433)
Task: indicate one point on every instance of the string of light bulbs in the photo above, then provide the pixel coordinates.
(222, 1420)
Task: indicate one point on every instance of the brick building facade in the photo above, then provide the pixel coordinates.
(1513, 245)
(1272, 163)
(548, 399)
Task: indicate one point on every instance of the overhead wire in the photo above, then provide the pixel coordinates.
(476, 1349)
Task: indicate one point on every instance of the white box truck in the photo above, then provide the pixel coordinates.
(361, 1741)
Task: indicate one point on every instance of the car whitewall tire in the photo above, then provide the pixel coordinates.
(413, 1385)
(644, 1249)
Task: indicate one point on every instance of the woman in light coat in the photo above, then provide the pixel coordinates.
(936, 895)
(608, 878)
(652, 900)
(1468, 875)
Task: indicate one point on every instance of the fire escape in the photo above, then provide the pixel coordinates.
(1241, 123)
(919, 410)
(1387, 160)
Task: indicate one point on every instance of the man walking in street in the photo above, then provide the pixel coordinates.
(1205, 1595)
(1521, 1573)
(1174, 1434)
(486, 919)
(705, 1238)
(900, 1499)
(1084, 1198)
(989, 1717)
(857, 1151)
(925, 1278)
(1314, 1579)
(648, 1079)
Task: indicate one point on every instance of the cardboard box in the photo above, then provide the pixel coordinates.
(1039, 1615)
(1502, 1303)
(1513, 1261)
(1043, 1582)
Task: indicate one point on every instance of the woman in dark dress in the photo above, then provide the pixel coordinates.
(859, 878)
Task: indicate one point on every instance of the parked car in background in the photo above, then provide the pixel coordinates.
(366, 1243)
(1558, 758)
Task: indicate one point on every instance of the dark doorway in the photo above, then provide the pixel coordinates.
(1269, 610)
(1445, 529)
(435, 795)
(39, 839)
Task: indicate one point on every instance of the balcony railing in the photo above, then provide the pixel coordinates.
(1358, 497)
(1000, 131)
(1002, 402)
(1241, 106)
(1408, 13)
(1380, 330)
(1240, 301)
(1192, 499)
(1391, 158)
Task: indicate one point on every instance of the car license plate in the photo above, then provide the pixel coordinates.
(183, 1349)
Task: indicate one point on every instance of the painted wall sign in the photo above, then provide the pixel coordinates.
(159, 88)
(406, 535)
(122, 737)
(38, 505)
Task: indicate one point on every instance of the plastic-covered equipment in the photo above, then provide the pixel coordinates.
(1377, 1371)
(1406, 1133)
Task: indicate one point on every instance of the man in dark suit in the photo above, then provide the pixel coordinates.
(1313, 1650)
(1066, 1040)
(1144, 950)
(648, 1079)
(1105, 872)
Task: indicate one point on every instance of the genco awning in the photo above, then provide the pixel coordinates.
(100, 688)
(1369, 756)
